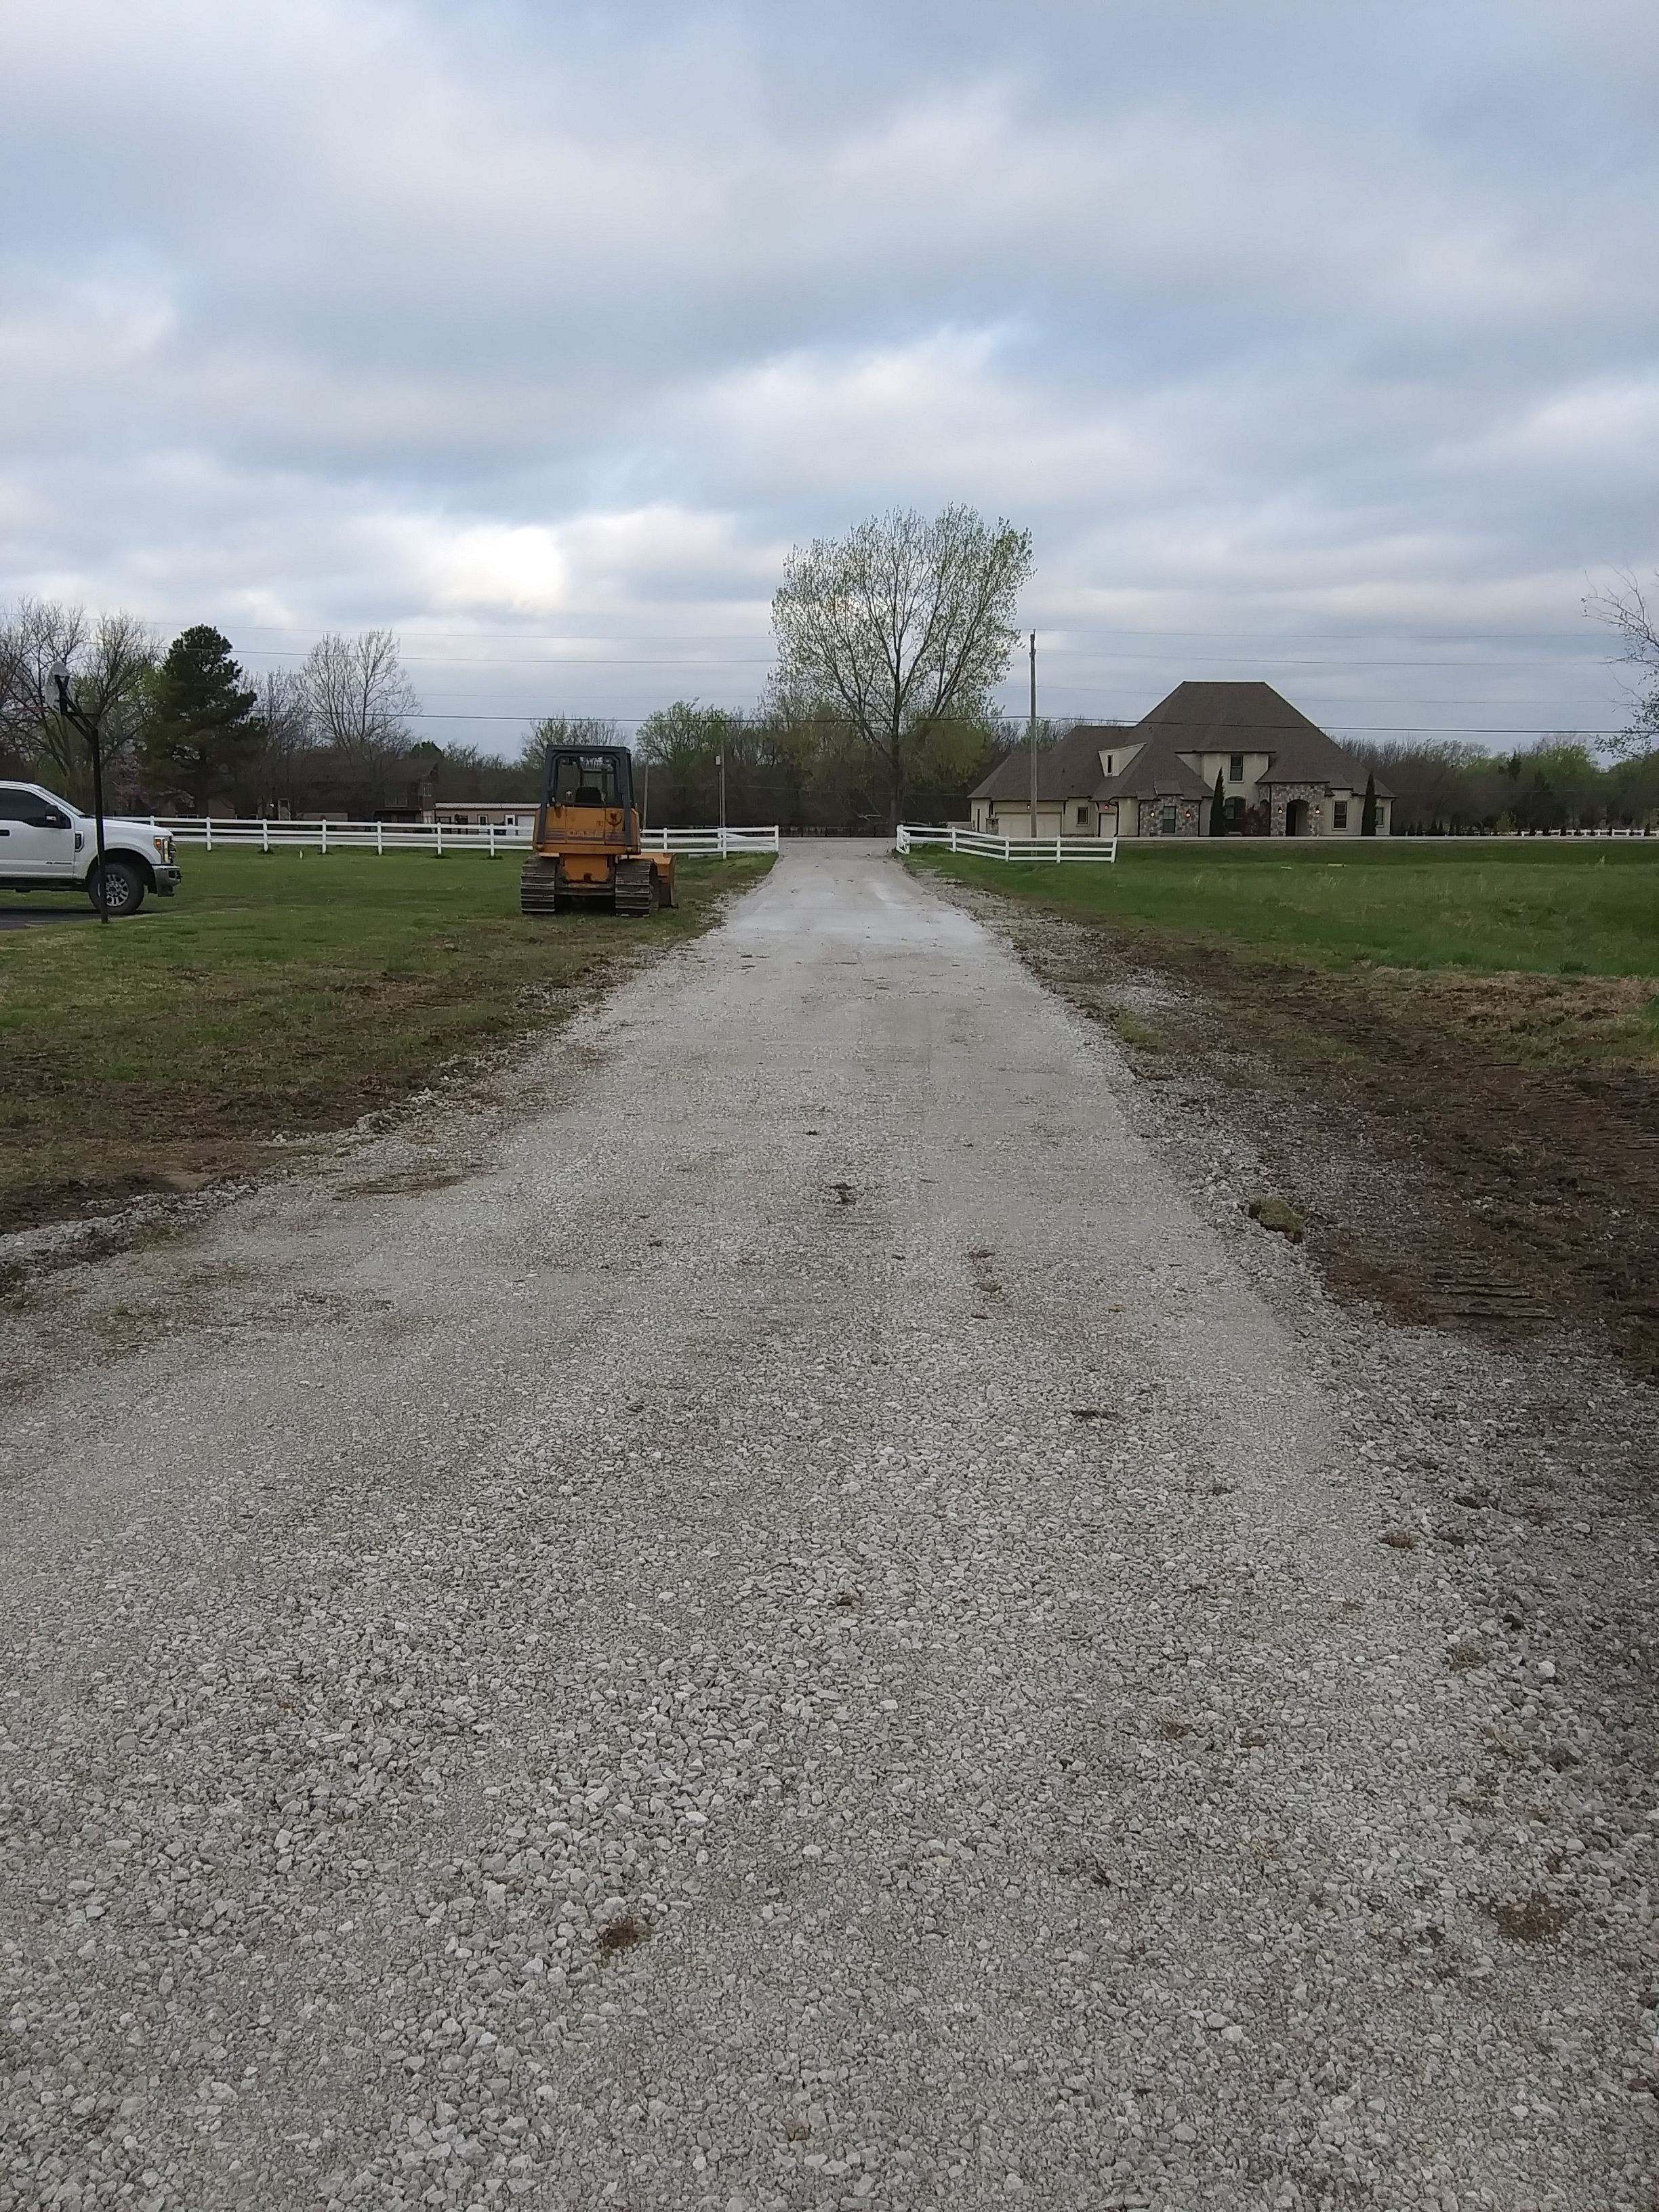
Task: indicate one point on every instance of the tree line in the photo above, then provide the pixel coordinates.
(889, 641)
(184, 729)
(1448, 788)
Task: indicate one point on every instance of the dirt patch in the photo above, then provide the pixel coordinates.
(1448, 1161)
(622, 1935)
(1530, 1919)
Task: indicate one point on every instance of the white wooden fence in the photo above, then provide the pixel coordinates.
(436, 837)
(720, 842)
(911, 834)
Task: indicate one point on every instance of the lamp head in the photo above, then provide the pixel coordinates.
(60, 677)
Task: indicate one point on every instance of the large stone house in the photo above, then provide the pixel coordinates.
(1281, 776)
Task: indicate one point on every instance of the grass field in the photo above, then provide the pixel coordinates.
(1541, 908)
(1443, 1056)
(1540, 953)
(277, 994)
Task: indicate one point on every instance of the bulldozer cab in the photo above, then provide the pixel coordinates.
(588, 793)
(588, 850)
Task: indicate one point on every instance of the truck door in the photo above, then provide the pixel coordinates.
(37, 836)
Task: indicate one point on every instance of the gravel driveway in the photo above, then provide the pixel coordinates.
(777, 1618)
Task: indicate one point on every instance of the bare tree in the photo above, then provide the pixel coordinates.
(902, 625)
(112, 683)
(111, 658)
(565, 730)
(359, 699)
(16, 741)
(288, 737)
(40, 633)
(1624, 607)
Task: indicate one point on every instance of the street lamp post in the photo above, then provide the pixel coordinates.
(88, 725)
(1034, 738)
(720, 763)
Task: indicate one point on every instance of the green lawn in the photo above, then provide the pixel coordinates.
(276, 994)
(1566, 909)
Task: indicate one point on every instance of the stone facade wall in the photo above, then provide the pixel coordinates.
(1319, 807)
(1189, 814)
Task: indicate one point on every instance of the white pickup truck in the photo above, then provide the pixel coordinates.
(46, 845)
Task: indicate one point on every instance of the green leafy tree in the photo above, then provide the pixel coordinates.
(1368, 811)
(201, 729)
(1218, 808)
(680, 746)
(904, 625)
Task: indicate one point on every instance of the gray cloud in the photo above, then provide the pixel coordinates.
(1292, 332)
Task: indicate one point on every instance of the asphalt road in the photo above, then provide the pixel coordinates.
(782, 1626)
(31, 917)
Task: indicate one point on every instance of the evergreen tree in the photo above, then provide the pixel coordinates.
(1368, 812)
(200, 727)
(1218, 809)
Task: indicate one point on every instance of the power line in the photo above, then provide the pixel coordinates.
(1054, 652)
(1259, 638)
(1350, 729)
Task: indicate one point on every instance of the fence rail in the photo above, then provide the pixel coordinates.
(911, 834)
(724, 842)
(435, 837)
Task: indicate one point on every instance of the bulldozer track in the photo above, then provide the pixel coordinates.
(636, 887)
(538, 887)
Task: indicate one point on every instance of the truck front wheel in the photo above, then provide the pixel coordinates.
(124, 888)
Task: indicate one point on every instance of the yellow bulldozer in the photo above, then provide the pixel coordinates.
(588, 850)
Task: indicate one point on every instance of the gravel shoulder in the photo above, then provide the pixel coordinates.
(797, 1611)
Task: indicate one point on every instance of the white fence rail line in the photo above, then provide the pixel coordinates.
(436, 837)
(722, 842)
(912, 834)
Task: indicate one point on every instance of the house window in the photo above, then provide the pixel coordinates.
(1111, 770)
(1166, 820)
(1235, 767)
(1340, 814)
(1083, 818)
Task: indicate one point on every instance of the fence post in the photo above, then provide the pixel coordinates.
(492, 841)
(379, 837)
(1056, 852)
(325, 833)
(264, 833)
(209, 832)
(440, 838)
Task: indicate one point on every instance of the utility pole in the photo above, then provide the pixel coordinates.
(1034, 748)
(88, 725)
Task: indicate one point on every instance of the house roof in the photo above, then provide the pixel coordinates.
(1254, 718)
(1195, 718)
(1067, 770)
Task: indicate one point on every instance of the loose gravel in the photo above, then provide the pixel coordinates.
(819, 1621)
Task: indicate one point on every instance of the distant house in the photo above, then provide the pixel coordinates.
(1281, 776)
(516, 816)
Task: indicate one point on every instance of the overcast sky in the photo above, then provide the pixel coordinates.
(1313, 341)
